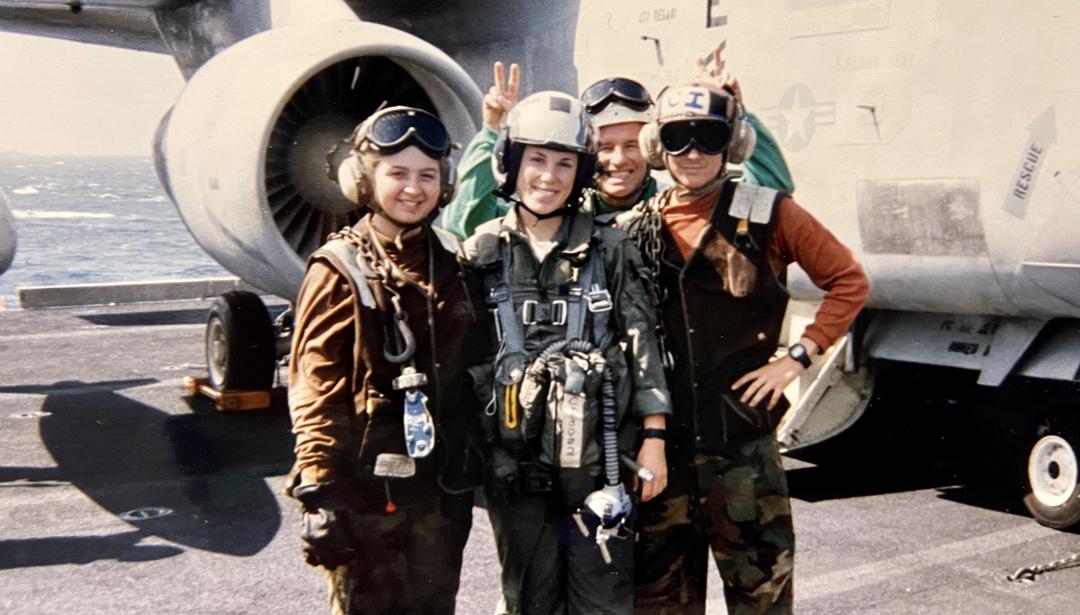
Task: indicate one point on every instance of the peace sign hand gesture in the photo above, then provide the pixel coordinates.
(501, 97)
(713, 66)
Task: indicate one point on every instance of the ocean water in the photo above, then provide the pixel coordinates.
(82, 220)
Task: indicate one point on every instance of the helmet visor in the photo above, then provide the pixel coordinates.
(397, 129)
(626, 91)
(710, 137)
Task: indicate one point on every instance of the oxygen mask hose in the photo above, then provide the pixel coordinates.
(611, 505)
(611, 440)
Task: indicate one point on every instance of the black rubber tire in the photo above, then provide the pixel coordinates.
(240, 353)
(1053, 489)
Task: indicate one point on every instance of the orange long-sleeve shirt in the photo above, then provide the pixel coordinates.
(797, 237)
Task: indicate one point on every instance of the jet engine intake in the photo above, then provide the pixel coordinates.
(249, 153)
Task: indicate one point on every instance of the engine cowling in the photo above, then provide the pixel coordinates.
(7, 235)
(250, 151)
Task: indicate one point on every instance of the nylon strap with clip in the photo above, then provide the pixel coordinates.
(589, 294)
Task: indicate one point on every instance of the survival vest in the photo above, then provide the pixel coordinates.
(441, 320)
(722, 314)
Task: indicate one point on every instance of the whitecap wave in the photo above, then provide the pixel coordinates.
(31, 213)
(107, 195)
(25, 190)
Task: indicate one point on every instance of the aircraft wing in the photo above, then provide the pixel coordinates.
(191, 31)
(130, 24)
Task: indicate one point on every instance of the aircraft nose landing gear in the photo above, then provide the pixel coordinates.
(241, 353)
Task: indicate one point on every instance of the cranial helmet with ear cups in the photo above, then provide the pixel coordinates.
(618, 100)
(552, 120)
(699, 102)
(387, 132)
(649, 143)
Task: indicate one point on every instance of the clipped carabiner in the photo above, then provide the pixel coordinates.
(407, 337)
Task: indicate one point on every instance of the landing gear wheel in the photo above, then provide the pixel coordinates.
(1053, 473)
(240, 353)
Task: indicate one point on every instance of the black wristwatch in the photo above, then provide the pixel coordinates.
(798, 352)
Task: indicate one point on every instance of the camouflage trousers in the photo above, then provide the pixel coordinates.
(736, 504)
(412, 559)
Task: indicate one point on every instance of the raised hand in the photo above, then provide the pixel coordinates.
(713, 66)
(501, 97)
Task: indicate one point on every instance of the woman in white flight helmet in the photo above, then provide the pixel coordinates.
(574, 381)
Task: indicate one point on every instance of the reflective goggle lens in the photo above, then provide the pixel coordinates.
(397, 129)
(627, 91)
(708, 137)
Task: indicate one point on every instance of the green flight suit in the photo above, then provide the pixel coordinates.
(548, 566)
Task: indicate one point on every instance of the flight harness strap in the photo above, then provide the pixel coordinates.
(597, 300)
(511, 359)
(589, 294)
(510, 332)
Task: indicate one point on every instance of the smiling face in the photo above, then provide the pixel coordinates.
(545, 178)
(406, 186)
(620, 156)
(694, 169)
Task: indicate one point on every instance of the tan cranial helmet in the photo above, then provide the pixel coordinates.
(618, 100)
(700, 110)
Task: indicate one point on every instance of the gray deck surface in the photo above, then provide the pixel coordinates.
(93, 425)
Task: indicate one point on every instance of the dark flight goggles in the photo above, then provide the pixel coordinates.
(627, 91)
(396, 129)
(710, 137)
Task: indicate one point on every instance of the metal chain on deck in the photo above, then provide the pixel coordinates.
(1028, 574)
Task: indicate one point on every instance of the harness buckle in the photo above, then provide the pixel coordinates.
(533, 312)
(599, 299)
(528, 312)
(558, 312)
(498, 295)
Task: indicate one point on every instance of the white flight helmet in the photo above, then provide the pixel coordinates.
(548, 119)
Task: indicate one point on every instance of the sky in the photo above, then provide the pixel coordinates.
(61, 97)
